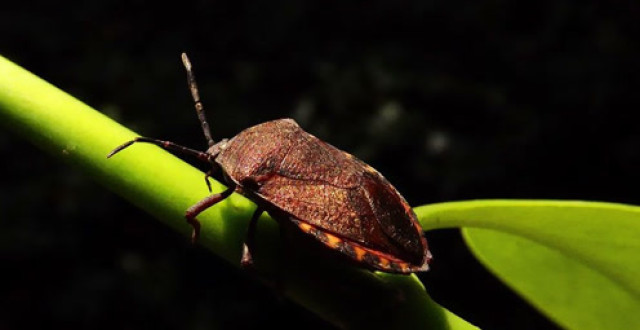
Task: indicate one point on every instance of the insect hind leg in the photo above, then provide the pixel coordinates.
(248, 247)
(167, 145)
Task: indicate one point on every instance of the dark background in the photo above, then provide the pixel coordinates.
(451, 100)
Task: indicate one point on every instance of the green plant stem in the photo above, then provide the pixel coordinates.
(165, 186)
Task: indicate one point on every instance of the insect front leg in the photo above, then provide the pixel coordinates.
(202, 205)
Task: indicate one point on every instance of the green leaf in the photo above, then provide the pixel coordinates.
(165, 186)
(577, 262)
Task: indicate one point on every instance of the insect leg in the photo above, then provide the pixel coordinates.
(207, 176)
(247, 247)
(203, 156)
(202, 205)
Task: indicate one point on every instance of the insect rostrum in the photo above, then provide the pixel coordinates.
(327, 193)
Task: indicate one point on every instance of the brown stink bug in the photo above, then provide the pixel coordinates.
(297, 178)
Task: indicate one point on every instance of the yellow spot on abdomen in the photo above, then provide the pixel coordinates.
(333, 241)
(404, 267)
(384, 263)
(360, 252)
(305, 227)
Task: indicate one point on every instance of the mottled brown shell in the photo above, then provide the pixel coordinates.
(328, 193)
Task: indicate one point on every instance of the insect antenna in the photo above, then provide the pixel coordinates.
(193, 87)
(168, 145)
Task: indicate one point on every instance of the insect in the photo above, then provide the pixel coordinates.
(299, 179)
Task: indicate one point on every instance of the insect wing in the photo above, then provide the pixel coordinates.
(339, 194)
